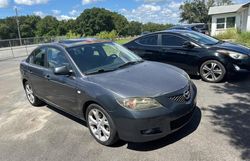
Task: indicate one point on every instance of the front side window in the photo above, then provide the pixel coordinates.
(149, 40)
(56, 58)
(111, 56)
(172, 40)
(230, 22)
(38, 57)
(223, 23)
(220, 23)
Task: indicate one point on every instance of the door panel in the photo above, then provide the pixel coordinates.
(185, 59)
(61, 88)
(61, 91)
(173, 52)
(36, 77)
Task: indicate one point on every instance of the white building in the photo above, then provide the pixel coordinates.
(231, 16)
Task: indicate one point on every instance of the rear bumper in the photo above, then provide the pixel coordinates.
(153, 124)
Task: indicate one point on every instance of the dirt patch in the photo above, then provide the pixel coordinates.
(22, 122)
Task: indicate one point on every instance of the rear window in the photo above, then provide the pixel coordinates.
(148, 40)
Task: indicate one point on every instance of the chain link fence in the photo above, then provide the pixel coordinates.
(12, 48)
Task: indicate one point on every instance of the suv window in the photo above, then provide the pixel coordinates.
(172, 40)
(149, 40)
(56, 58)
(38, 57)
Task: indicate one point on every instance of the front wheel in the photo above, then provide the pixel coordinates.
(212, 71)
(101, 125)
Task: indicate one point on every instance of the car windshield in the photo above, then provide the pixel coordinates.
(102, 57)
(201, 38)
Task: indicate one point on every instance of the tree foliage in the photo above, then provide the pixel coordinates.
(152, 27)
(196, 11)
(89, 23)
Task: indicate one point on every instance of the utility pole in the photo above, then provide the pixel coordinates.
(18, 28)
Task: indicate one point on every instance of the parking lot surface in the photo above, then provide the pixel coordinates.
(218, 131)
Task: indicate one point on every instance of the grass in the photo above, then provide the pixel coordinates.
(238, 37)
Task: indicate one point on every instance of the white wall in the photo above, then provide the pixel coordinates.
(215, 31)
(242, 21)
(248, 19)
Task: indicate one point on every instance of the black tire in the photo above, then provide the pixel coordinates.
(36, 102)
(213, 71)
(113, 137)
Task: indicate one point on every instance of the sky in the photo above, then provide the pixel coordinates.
(158, 11)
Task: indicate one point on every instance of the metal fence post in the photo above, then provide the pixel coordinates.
(12, 50)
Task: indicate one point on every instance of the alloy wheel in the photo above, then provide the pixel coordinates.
(99, 125)
(212, 71)
(29, 93)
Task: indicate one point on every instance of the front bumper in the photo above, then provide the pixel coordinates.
(240, 65)
(148, 125)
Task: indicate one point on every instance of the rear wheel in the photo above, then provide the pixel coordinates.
(212, 71)
(101, 125)
(31, 96)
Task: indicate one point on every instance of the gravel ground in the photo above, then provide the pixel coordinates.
(219, 130)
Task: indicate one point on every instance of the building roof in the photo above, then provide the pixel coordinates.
(226, 9)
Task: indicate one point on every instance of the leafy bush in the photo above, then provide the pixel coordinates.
(228, 34)
(72, 35)
(244, 38)
(108, 35)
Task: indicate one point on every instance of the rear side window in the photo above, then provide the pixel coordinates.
(149, 40)
(38, 57)
(172, 40)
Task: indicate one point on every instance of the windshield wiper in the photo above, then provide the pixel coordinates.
(130, 63)
(99, 71)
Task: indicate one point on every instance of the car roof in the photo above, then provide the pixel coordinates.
(77, 42)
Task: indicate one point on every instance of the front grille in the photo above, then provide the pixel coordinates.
(181, 121)
(181, 98)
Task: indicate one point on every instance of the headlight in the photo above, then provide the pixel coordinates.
(233, 54)
(137, 103)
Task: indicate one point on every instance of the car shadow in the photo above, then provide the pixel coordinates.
(169, 139)
(147, 146)
(233, 119)
(69, 116)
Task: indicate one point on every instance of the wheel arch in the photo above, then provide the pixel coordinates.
(86, 105)
(210, 58)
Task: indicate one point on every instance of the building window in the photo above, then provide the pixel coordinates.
(224, 23)
(230, 22)
(220, 23)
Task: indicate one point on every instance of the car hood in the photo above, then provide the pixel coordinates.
(233, 47)
(148, 79)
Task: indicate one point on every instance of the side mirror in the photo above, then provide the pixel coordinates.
(188, 44)
(63, 70)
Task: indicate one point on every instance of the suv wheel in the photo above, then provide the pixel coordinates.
(101, 126)
(212, 71)
(31, 96)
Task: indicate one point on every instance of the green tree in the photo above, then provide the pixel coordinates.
(152, 27)
(8, 28)
(47, 26)
(121, 23)
(134, 28)
(28, 25)
(196, 11)
(93, 21)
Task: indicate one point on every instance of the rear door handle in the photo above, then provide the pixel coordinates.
(30, 71)
(47, 76)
